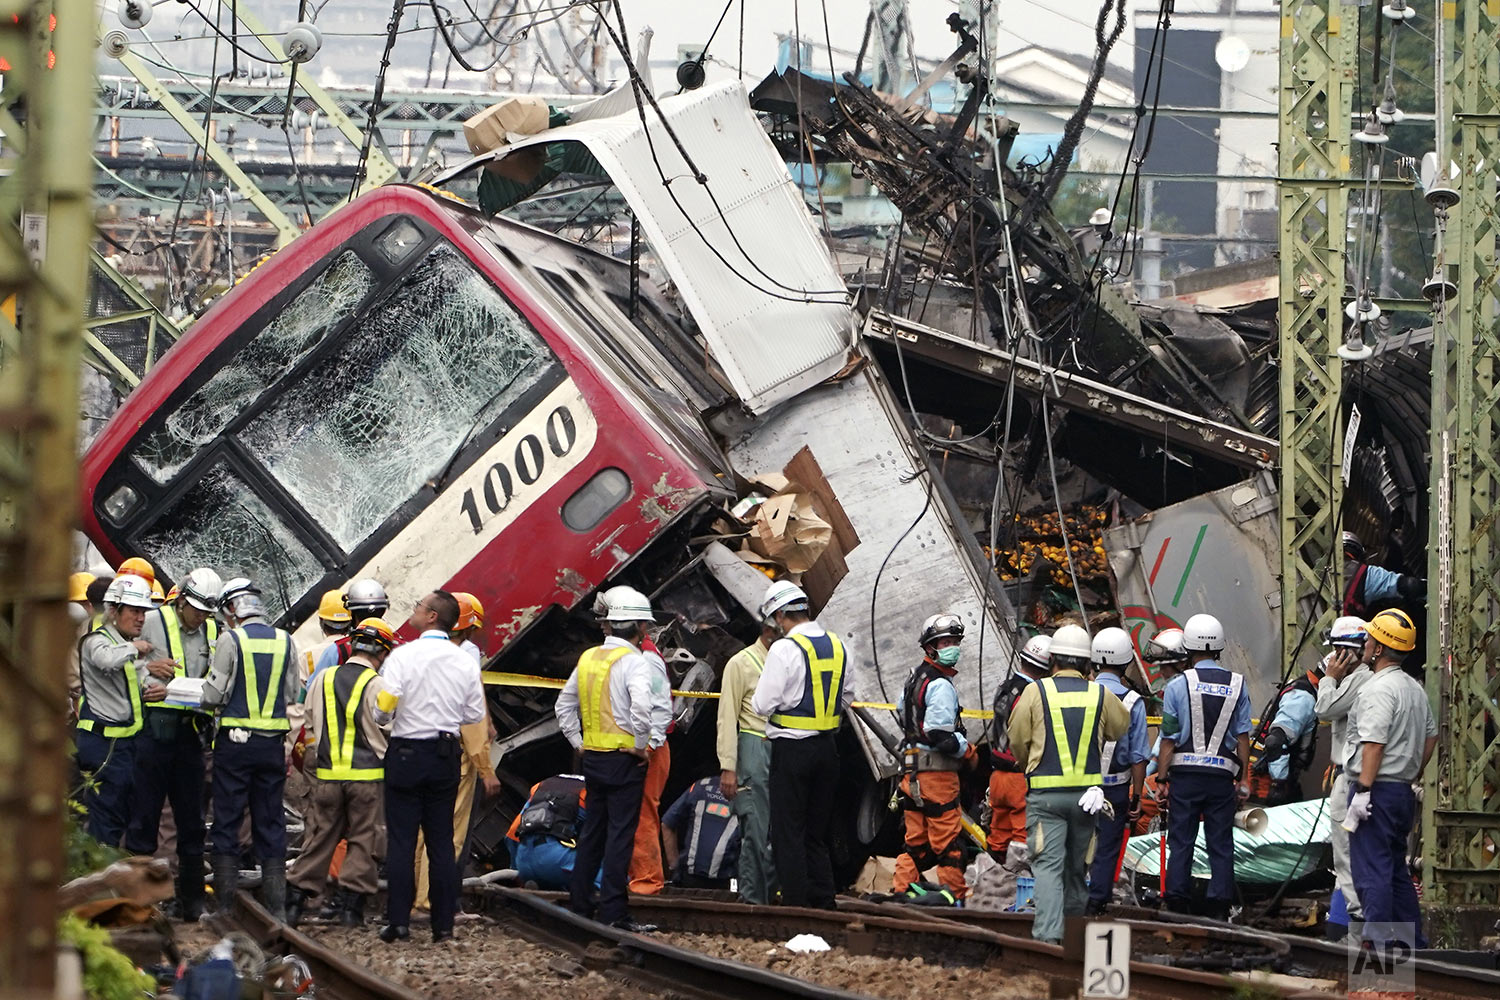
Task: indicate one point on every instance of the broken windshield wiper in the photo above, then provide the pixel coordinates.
(440, 480)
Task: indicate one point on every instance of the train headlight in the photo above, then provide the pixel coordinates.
(119, 504)
(397, 242)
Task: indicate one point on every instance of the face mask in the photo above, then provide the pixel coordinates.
(947, 656)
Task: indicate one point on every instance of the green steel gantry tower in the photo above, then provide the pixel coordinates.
(1461, 810)
(46, 225)
(1319, 55)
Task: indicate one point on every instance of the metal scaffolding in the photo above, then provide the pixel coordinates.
(46, 193)
(1462, 808)
(1318, 53)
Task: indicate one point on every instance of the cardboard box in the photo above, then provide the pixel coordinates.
(515, 115)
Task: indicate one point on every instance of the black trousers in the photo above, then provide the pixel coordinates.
(421, 785)
(613, 782)
(804, 774)
(168, 767)
(249, 776)
(108, 770)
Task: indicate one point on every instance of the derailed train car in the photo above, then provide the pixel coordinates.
(432, 396)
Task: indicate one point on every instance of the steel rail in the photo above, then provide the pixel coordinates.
(338, 976)
(914, 931)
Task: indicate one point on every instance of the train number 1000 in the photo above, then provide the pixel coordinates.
(525, 467)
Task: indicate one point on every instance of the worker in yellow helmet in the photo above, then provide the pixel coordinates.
(1392, 735)
(158, 595)
(78, 596)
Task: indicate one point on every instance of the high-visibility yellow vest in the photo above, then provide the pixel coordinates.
(339, 758)
(89, 723)
(1072, 707)
(262, 660)
(172, 626)
(596, 710)
(820, 709)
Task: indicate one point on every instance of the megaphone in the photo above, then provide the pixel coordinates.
(1252, 821)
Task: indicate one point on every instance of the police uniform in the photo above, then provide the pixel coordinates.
(804, 693)
(169, 753)
(605, 710)
(1058, 728)
(1205, 710)
(707, 833)
(348, 765)
(109, 720)
(935, 751)
(743, 749)
(1119, 758)
(254, 678)
(544, 834)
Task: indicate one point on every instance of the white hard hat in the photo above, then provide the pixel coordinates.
(626, 604)
(241, 598)
(365, 598)
(1038, 652)
(1166, 645)
(783, 595)
(130, 591)
(1347, 631)
(1112, 648)
(201, 588)
(1073, 641)
(1203, 634)
(940, 626)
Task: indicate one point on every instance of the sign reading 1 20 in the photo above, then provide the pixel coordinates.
(525, 467)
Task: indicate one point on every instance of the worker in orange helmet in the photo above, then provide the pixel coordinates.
(136, 566)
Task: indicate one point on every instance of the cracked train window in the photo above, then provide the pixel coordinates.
(423, 372)
(221, 522)
(280, 344)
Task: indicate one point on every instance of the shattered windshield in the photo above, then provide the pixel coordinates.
(280, 344)
(220, 523)
(432, 364)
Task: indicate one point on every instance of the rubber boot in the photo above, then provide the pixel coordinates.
(333, 903)
(273, 886)
(296, 901)
(190, 886)
(353, 914)
(226, 881)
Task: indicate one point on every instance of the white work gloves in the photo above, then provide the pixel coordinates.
(1359, 811)
(1093, 801)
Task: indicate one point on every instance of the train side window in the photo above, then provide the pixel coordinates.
(605, 490)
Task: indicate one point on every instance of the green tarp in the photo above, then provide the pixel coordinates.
(1292, 843)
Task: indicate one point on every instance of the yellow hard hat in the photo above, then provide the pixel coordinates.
(373, 633)
(78, 586)
(136, 566)
(1394, 629)
(470, 611)
(332, 610)
(158, 596)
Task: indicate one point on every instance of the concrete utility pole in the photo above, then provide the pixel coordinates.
(1319, 58)
(1461, 810)
(46, 192)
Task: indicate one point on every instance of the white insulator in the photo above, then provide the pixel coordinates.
(1373, 132)
(1362, 310)
(115, 44)
(302, 41)
(135, 13)
(1397, 10)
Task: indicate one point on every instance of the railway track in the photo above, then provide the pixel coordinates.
(1174, 958)
(1224, 946)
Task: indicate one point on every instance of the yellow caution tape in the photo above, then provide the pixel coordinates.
(499, 679)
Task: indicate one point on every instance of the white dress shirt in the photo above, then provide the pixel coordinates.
(436, 687)
(638, 689)
(784, 680)
(472, 650)
(1335, 701)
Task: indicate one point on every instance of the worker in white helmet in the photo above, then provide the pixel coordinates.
(804, 692)
(1203, 767)
(606, 711)
(1345, 672)
(1124, 764)
(1007, 775)
(1058, 728)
